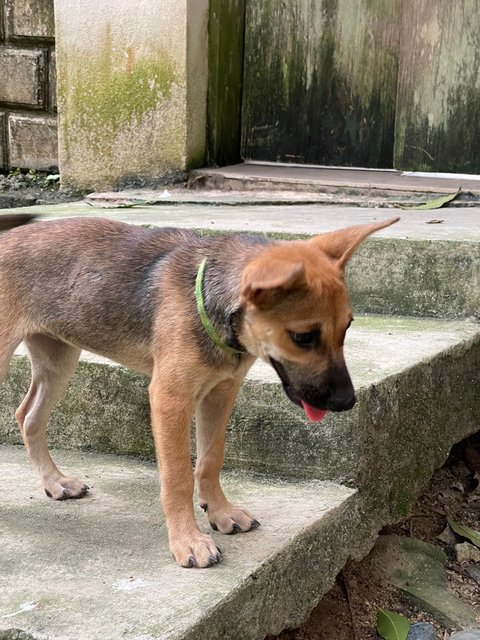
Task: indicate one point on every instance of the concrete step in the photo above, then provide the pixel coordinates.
(426, 265)
(383, 184)
(99, 568)
(418, 387)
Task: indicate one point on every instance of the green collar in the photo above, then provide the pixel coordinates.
(207, 325)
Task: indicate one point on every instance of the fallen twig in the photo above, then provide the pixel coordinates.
(349, 603)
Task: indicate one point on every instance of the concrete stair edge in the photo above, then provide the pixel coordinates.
(412, 268)
(116, 541)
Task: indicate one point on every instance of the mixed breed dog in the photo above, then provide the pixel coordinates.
(191, 312)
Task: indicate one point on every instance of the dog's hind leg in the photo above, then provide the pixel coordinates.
(53, 363)
(211, 420)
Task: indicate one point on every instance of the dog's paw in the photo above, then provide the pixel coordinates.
(199, 551)
(64, 488)
(230, 519)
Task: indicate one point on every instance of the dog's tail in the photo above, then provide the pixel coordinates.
(9, 221)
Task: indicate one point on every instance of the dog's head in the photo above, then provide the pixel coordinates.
(297, 312)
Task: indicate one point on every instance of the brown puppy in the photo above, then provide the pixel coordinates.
(9, 221)
(148, 300)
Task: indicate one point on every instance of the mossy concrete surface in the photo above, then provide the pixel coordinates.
(99, 568)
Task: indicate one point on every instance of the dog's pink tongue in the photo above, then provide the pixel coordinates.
(314, 414)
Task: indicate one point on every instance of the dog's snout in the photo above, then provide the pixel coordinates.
(332, 391)
(341, 400)
(340, 394)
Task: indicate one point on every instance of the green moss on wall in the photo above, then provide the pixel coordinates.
(119, 98)
(108, 92)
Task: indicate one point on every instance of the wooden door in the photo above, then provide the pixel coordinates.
(438, 98)
(369, 83)
(320, 81)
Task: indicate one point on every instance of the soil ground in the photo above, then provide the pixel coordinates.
(27, 188)
(349, 610)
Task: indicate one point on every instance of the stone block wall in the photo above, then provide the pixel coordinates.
(28, 121)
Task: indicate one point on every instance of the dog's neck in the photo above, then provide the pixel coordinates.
(233, 345)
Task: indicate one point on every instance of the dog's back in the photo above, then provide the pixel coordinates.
(9, 221)
(91, 282)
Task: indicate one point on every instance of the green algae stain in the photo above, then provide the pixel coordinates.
(117, 98)
(111, 91)
(403, 493)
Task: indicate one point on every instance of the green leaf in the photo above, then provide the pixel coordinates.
(53, 177)
(392, 626)
(465, 532)
(435, 203)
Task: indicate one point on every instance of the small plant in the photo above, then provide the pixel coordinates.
(52, 180)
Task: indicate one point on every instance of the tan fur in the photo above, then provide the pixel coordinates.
(127, 294)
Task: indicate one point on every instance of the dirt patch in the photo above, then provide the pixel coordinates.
(28, 188)
(349, 610)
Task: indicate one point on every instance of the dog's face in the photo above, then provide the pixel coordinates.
(297, 312)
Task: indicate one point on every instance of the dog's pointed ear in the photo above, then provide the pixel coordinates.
(340, 245)
(264, 281)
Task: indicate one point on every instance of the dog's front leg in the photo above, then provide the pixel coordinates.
(171, 422)
(212, 417)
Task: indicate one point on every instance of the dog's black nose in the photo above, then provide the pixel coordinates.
(339, 401)
(340, 395)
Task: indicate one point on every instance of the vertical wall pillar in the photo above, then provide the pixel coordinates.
(132, 89)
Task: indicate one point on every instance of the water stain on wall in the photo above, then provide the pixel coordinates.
(438, 112)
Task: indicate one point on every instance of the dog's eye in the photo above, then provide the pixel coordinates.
(305, 340)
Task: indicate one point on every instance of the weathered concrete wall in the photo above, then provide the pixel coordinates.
(132, 82)
(28, 126)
